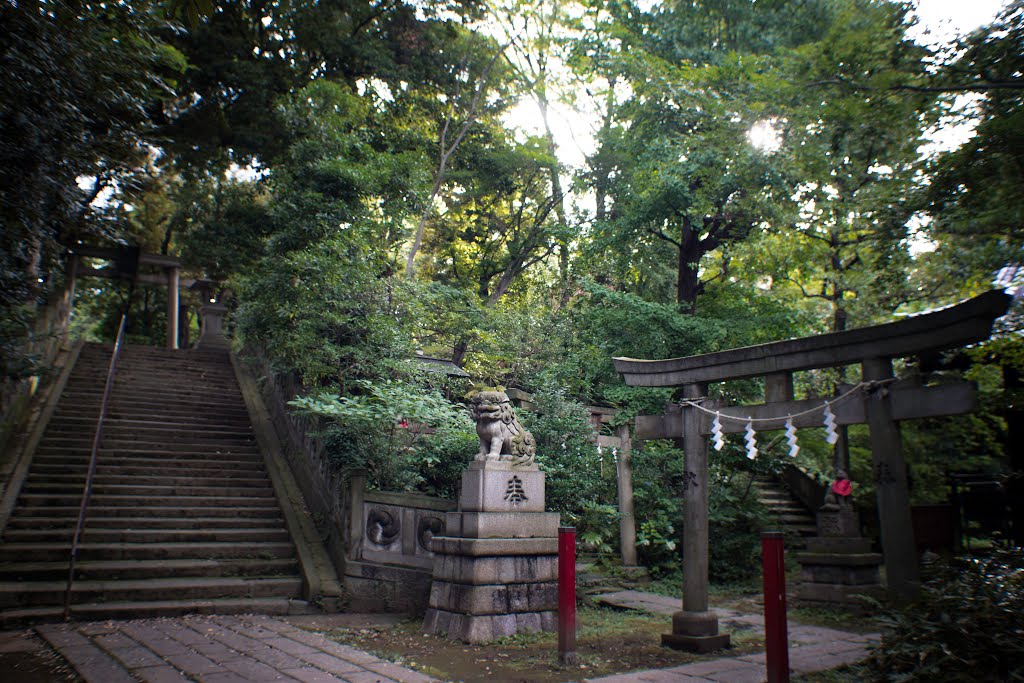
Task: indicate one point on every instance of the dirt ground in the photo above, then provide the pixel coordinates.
(25, 658)
(608, 641)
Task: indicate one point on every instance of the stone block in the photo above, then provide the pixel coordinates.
(847, 576)
(837, 593)
(494, 599)
(484, 570)
(698, 644)
(841, 559)
(502, 489)
(477, 547)
(838, 523)
(695, 624)
(483, 628)
(838, 545)
(502, 524)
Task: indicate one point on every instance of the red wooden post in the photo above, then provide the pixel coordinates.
(776, 640)
(567, 595)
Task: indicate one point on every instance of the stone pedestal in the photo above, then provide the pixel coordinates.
(695, 632)
(838, 565)
(496, 569)
(211, 332)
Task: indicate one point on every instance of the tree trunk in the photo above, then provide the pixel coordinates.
(687, 277)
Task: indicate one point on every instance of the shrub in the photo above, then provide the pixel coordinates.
(735, 519)
(383, 428)
(967, 625)
(580, 481)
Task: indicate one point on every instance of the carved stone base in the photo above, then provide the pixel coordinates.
(838, 523)
(838, 566)
(497, 486)
(695, 632)
(496, 567)
(695, 643)
(471, 628)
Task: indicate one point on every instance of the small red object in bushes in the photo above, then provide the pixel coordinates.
(842, 487)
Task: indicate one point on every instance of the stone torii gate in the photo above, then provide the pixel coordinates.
(881, 405)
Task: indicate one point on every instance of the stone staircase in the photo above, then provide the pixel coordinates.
(183, 516)
(795, 520)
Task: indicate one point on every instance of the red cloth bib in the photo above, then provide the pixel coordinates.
(842, 487)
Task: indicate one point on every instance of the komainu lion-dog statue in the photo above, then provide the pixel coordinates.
(502, 436)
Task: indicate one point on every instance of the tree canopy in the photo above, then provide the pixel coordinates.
(376, 180)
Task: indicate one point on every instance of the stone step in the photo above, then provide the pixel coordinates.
(151, 401)
(95, 522)
(168, 449)
(801, 518)
(54, 552)
(155, 608)
(153, 409)
(216, 466)
(163, 511)
(158, 391)
(141, 456)
(99, 535)
(120, 438)
(240, 452)
(137, 502)
(43, 593)
(147, 569)
(48, 481)
(198, 421)
(105, 487)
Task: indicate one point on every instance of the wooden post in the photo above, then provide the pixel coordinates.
(567, 596)
(776, 639)
(627, 519)
(172, 308)
(694, 628)
(891, 492)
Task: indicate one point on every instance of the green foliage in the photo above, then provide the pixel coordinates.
(580, 481)
(735, 518)
(966, 625)
(381, 425)
(735, 522)
(80, 84)
(324, 312)
(657, 498)
(975, 198)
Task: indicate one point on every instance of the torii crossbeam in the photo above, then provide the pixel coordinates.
(874, 348)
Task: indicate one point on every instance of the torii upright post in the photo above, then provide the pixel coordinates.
(891, 490)
(694, 628)
(871, 347)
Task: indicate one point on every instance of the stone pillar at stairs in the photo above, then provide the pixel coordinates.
(838, 565)
(211, 333)
(496, 567)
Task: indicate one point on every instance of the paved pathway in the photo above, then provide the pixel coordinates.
(251, 649)
(811, 648)
(215, 649)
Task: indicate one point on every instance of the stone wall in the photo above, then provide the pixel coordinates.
(378, 541)
(390, 563)
(48, 336)
(322, 489)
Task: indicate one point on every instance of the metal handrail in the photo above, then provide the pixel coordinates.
(87, 489)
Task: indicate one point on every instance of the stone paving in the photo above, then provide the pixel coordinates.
(811, 648)
(248, 648)
(214, 649)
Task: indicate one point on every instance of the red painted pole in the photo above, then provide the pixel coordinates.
(567, 595)
(776, 639)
